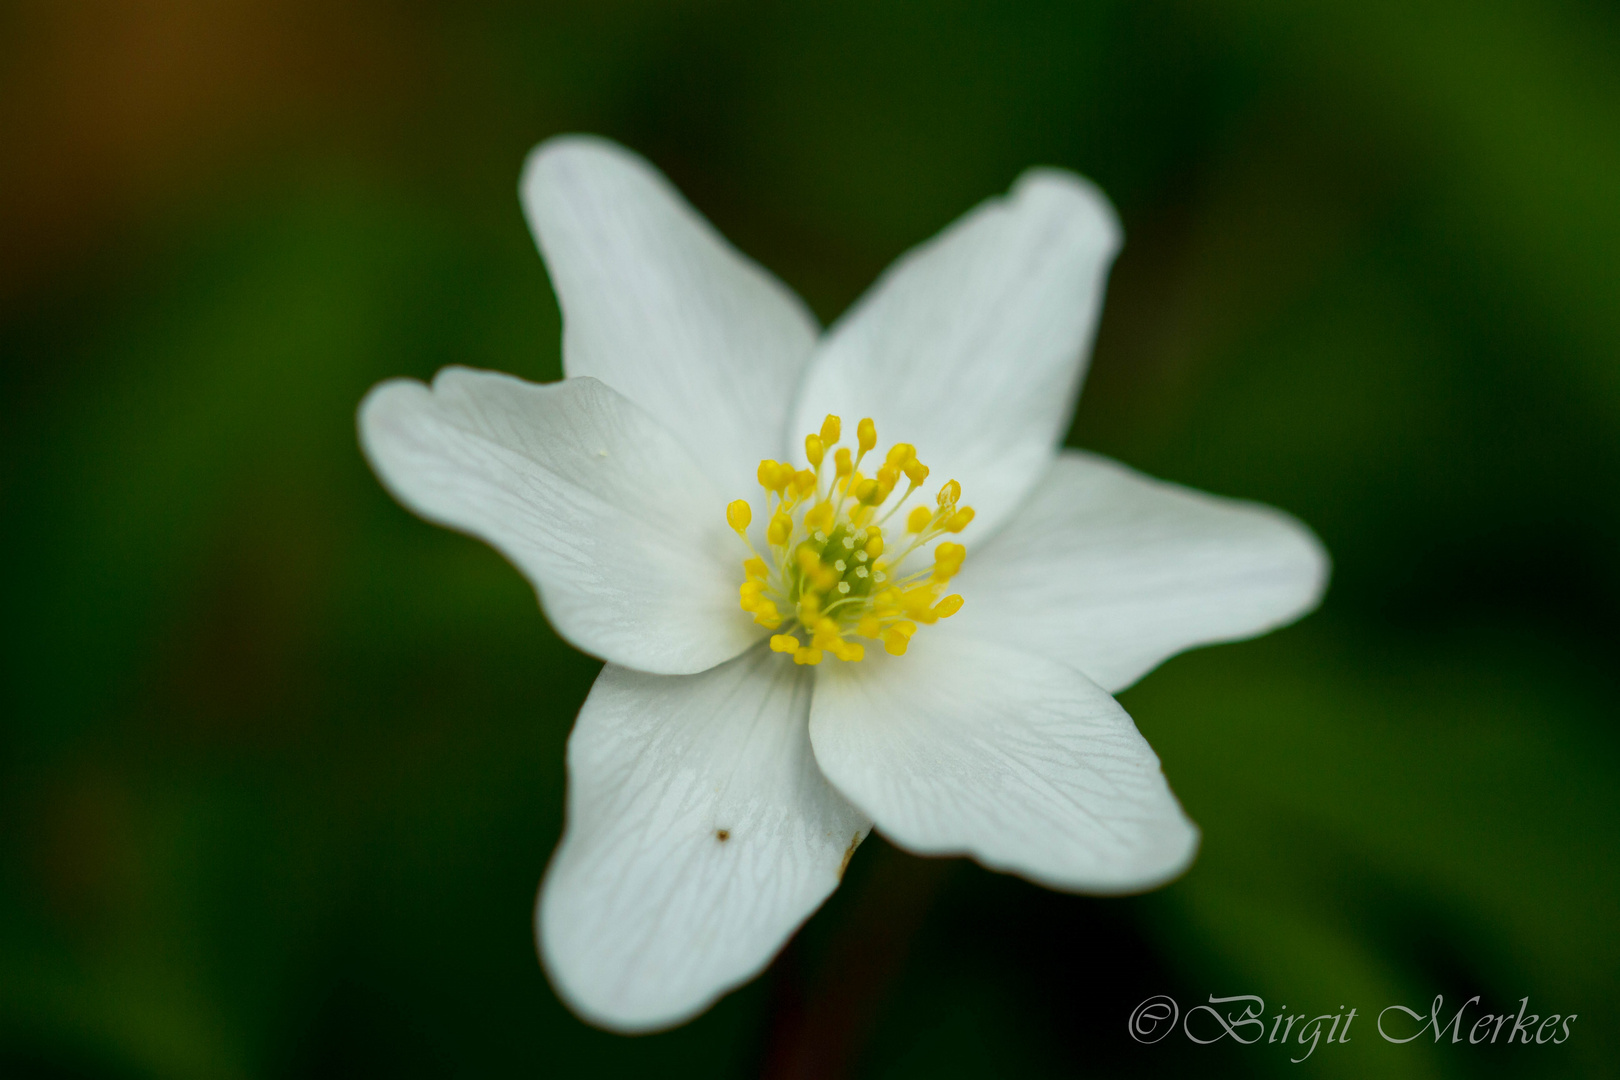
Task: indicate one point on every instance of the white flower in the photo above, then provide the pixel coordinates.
(719, 781)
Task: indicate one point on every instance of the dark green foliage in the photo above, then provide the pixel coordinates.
(281, 765)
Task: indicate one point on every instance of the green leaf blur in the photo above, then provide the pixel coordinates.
(281, 765)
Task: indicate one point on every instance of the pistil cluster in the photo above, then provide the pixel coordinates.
(829, 572)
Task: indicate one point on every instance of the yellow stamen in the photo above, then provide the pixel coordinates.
(780, 528)
(773, 475)
(826, 571)
(897, 638)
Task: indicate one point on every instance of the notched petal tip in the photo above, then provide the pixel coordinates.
(601, 509)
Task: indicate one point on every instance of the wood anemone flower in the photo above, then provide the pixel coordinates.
(855, 645)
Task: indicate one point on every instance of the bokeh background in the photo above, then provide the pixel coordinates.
(281, 766)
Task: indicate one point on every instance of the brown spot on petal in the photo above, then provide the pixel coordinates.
(723, 835)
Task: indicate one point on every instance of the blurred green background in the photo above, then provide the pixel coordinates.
(281, 766)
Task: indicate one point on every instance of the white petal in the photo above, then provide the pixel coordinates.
(700, 835)
(596, 503)
(973, 345)
(970, 747)
(660, 307)
(1114, 572)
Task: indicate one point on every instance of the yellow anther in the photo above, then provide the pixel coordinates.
(819, 516)
(841, 460)
(948, 606)
(918, 519)
(814, 450)
(824, 578)
(770, 475)
(811, 657)
(866, 491)
(804, 480)
(808, 559)
(780, 528)
(959, 520)
(784, 643)
(917, 601)
(915, 471)
(868, 626)
(894, 642)
(739, 514)
(756, 569)
(830, 429)
(866, 433)
(874, 543)
(949, 492)
(850, 652)
(900, 453)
